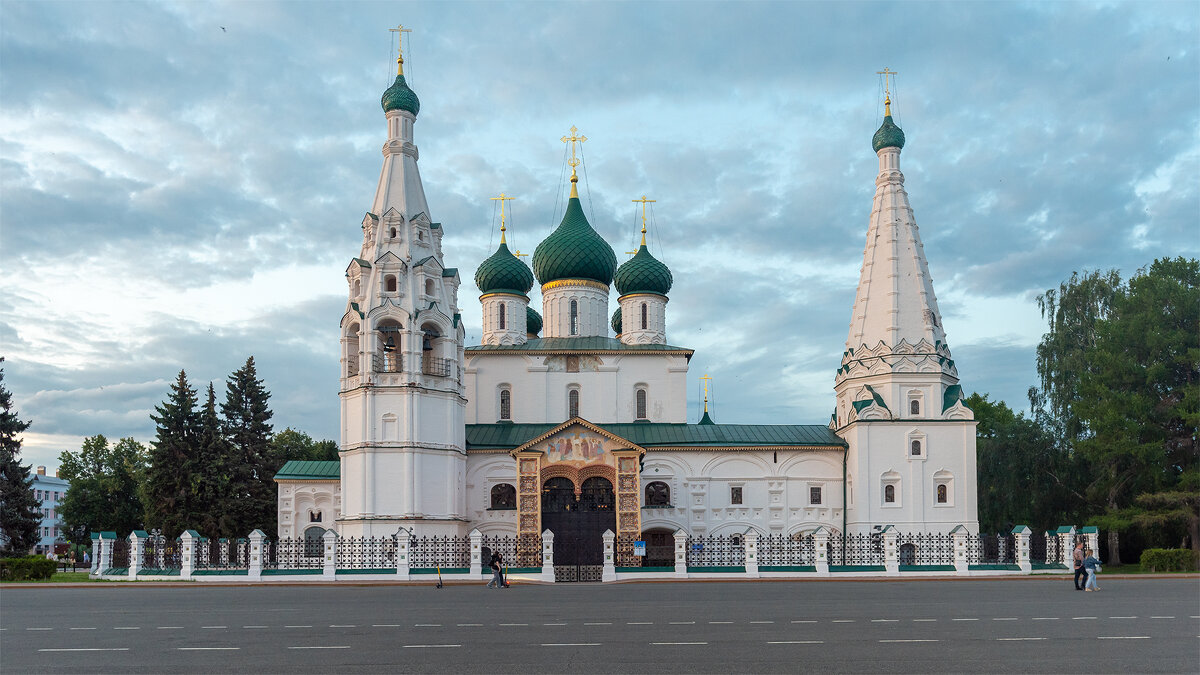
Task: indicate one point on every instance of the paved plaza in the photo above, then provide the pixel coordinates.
(999, 625)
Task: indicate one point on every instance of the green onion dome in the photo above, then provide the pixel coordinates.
(400, 97)
(888, 136)
(504, 272)
(643, 273)
(616, 320)
(574, 251)
(533, 321)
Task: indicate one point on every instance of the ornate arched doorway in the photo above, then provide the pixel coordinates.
(578, 519)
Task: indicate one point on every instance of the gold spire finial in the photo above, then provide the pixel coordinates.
(502, 198)
(644, 201)
(574, 139)
(705, 379)
(400, 30)
(889, 79)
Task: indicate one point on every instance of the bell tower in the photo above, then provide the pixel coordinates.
(403, 446)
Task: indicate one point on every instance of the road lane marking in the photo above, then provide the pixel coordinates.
(682, 623)
(678, 643)
(884, 620)
(1045, 618)
(797, 642)
(338, 625)
(396, 625)
(83, 629)
(720, 622)
(514, 624)
(1082, 618)
(924, 619)
(908, 640)
(212, 627)
(843, 621)
(297, 626)
(322, 647)
(1020, 639)
(428, 625)
(428, 646)
(473, 624)
(87, 649)
(964, 619)
(207, 649)
(1162, 617)
(804, 621)
(39, 629)
(570, 644)
(127, 627)
(594, 623)
(554, 624)
(244, 627)
(1122, 637)
(757, 622)
(1122, 617)
(1004, 618)
(639, 623)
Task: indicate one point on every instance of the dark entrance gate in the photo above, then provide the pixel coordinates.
(578, 525)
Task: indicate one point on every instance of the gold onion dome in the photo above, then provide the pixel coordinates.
(504, 272)
(643, 273)
(574, 250)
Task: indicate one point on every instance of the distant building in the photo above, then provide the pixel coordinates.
(49, 492)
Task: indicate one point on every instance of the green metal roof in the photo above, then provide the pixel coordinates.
(574, 251)
(616, 321)
(533, 321)
(643, 273)
(578, 344)
(400, 97)
(503, 272)
(888, 136)
(954, 394)
(309, 470)
(651, 435)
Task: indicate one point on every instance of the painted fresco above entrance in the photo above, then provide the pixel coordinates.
(577, 446)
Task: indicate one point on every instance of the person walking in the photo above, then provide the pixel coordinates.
(497, 565)
(1092, 566)
(1080, 573)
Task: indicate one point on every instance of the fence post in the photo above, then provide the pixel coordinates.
(821, 549)
(95, 556)
(256, 551)
(750, 543)
(1091, 534)
(962, 566)
(1021, 535)
(403, 543)
(548, 556)
(105, 558)
(1066, 544)
(187, 556)
(609, 573)
(330, 539)
(891, 554)
(135, 552)
(476, 554)
(681, 553)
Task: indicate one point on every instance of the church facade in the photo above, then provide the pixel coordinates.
(574, 420)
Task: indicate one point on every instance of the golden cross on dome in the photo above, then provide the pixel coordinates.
(573, 139)
(502, 198)
(889, 80)
(644, 201)
(400, 30)
(705, 379)
(520, 255)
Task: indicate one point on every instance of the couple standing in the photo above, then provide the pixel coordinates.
(1086, 565)
(497, 565)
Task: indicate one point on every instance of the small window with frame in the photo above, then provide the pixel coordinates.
(735, 495)
(814, 495)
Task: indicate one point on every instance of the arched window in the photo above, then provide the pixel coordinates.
(357, 287)
(915, 449)
(501, 312)
(389, 283)
(573, 403)
(314, 544)
(889, 494)
(505, 404)
(641, 404)
(429, 287)
(942, 494)
(914, 407)
(393, 233)
(504, 496)
(658, 493)
(644, 317)
(574, 318)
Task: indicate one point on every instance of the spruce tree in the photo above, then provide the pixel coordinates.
(248, 430)
(19, 516)
(211, 480)
(168, 491)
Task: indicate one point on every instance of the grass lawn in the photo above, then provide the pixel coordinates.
(1135, 568)
(59, 577)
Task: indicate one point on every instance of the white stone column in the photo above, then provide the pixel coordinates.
(1066, 544)
(962, 566)
(329, 570)
(476, 554)
(610, 569)
(1021, 541)
(681, 554)
(548, 556)
(95, 556)
(136, 543)
(256, 551)
(891, 554)
(187, 556)
(821, 547)
(403, 543)
(107, 539)
(1091, 534)
(750, 542)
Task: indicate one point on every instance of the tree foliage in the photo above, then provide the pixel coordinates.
(247, 424)
(104, 493)
(19, 515)
(167, 492)
(289, 444)
(212, 481)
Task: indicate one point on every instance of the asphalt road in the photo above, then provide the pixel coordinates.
(1013, 625)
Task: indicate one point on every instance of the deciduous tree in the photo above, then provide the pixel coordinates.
(104, 492)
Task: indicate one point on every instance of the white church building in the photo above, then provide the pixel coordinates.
(574, 420)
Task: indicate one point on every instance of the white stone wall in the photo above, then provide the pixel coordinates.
(592, 305)
(607, 387)
(655, 331)
(513, 308)
(299, 499)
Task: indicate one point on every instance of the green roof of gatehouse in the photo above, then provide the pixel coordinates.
(309, 470)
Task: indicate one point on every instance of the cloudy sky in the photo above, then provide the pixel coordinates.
(183, 183)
